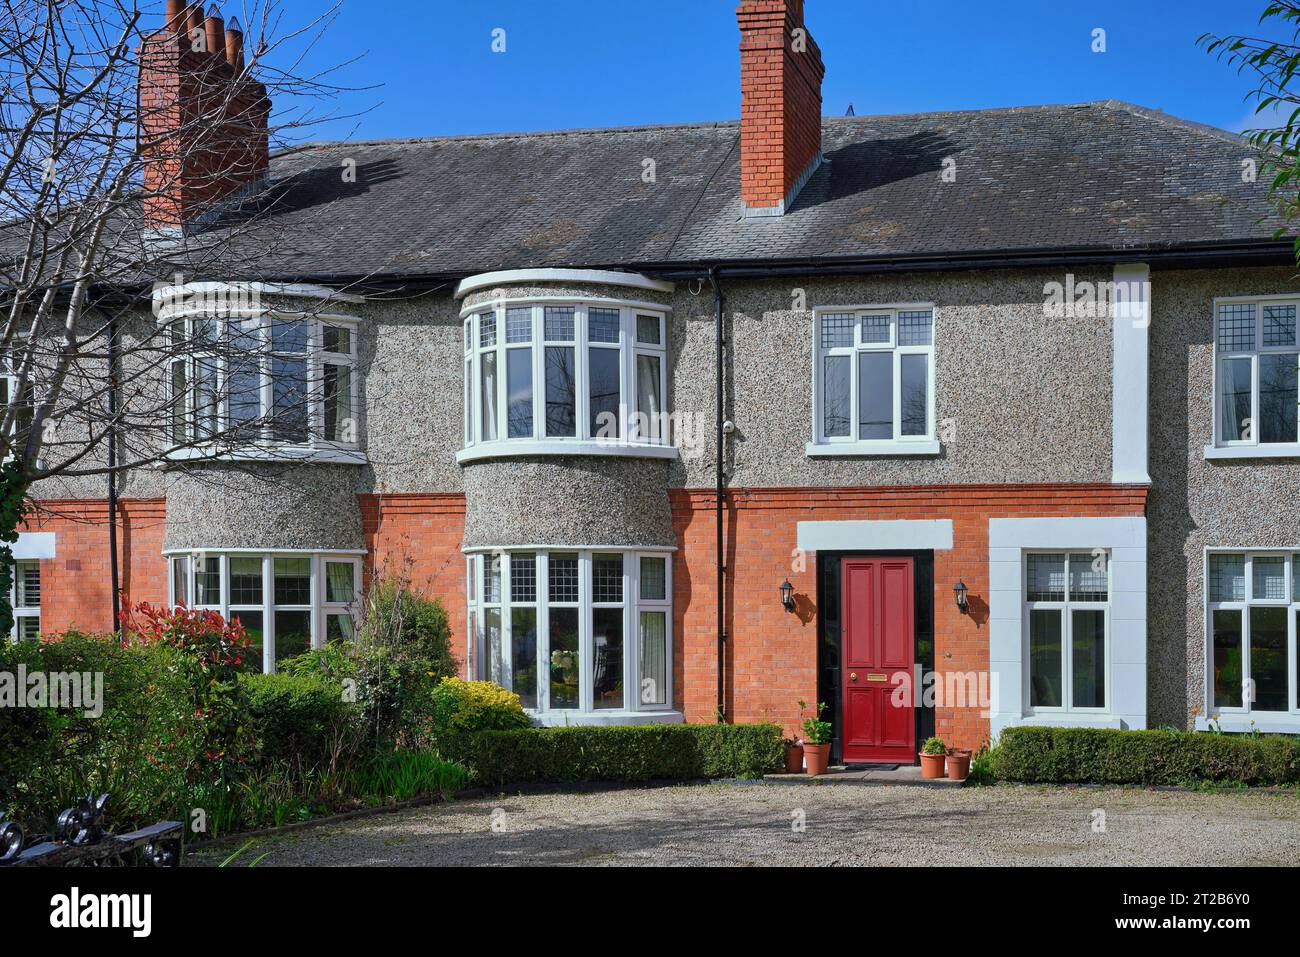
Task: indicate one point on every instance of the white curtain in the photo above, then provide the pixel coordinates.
(648, 400)
(654, 657)
(489, 395)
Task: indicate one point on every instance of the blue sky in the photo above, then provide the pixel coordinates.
(588, 63)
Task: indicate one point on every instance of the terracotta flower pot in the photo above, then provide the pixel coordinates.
(932, 765)
(958, 764)
(794, 759)
(816, 756)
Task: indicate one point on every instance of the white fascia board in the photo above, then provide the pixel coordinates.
(901, 534)
(1130, 374)
(33, 545)
(590, 277)
(162, 293)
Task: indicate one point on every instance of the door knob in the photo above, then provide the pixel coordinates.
(853, 676)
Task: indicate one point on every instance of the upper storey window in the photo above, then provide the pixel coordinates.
(873, 381)
(565, 373)
(274, 380)
(1257, 356)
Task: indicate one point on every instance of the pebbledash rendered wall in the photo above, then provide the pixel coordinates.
(1024, 402)
(1197, 503)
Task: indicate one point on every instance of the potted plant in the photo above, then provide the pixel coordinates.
(933, 753)
(793, 756)
(816, 740)
(958, 763)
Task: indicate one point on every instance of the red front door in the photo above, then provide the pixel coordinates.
(878, 725)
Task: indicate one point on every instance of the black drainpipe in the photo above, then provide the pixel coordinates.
(721, 482)
(112, 473)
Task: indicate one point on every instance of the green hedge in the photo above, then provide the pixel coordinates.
(646, 753)
(297, 718)
(1107, 756)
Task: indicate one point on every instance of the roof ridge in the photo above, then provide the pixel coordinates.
(1170, 119)
(508, 135)
(1109, 104)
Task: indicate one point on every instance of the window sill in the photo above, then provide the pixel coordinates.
(288, 453)
(860, 449)
(560, 719)
(517, 448)
(1290, 450)
(1271, 723)
(1063, 719)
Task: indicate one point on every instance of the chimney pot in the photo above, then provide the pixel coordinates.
(235, 45)
(216, 31)
(177, 15)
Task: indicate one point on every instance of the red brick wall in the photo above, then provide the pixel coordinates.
(76, 583)
(772, 654)
(418, 537)
(781, 100)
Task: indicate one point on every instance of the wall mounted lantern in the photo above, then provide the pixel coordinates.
(959, 590)
(787, 595)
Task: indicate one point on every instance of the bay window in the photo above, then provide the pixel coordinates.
(277, 380)
(1257, 358)
(579, 631)
(1067, 609)
(873, 380)
(1253, 609)
(565, 372)
(288, 603)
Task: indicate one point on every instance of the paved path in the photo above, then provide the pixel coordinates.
(843, 824)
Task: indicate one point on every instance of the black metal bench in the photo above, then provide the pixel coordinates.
(80, 839)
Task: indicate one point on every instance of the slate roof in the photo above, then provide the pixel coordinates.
(1101, 176)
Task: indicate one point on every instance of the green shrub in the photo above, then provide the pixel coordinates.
(464, 707)
(410, 626)
(402, 775)
(181, 729)
(680, 752)
(402, 650)
(144, 749)
(983, 766)
(1111, 756)
(303, 720)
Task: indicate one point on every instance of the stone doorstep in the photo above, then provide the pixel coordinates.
(904, 774)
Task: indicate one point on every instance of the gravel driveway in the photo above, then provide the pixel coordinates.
(843, 824)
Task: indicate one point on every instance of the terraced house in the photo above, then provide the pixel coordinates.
(953, 421)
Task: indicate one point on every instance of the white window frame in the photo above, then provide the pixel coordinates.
(628, 348)
(852, 444)
(185, 561)
(477, 564)
(1292, 605)
(22, 611)
(314, 356)
(1066, 609)
(1239, 445)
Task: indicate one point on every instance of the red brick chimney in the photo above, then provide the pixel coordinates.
(203, 125)
(781, 74)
